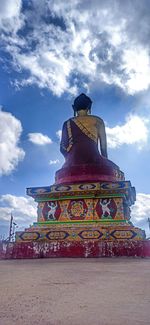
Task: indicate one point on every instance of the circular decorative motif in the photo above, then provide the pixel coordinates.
(77, 209)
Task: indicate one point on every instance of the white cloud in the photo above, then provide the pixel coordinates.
(140, 212)
(39, 139)
(10, 152)
(18, 205)
(59, 134)
(72, 44)
(24, 210)
(137, 65)
(54, 162)
(134, 131)
(9, 8)
(10, 15)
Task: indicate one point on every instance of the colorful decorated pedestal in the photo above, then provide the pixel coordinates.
(79, 212)
(89, 203)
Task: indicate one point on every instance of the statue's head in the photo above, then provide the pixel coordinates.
(82, 102)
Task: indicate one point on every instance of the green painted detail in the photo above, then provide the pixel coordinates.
(45, 199)
(80, 222)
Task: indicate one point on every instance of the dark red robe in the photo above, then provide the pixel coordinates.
(82, 158)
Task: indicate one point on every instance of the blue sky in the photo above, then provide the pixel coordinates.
(51, 51)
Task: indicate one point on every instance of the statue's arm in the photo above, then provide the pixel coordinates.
(63, 140)
(102, 138)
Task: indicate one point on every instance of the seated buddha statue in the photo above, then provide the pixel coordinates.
(82, 136)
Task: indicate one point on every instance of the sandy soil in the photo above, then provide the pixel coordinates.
(100, 291)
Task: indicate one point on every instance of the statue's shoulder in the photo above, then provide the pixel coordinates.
(67, 121)
(98, 119)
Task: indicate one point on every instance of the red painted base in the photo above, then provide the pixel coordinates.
(89, 173)
(75, 249)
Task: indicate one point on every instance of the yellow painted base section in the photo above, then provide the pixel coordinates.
(80, 232)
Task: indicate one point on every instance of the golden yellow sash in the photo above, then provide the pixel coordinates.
(85, 130)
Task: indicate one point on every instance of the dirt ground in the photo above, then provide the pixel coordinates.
(104, 291)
